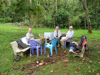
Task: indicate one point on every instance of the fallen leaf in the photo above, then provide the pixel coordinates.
(97, 73)
(83, 66)
(40, 64)
(93, 70)
(89, 71)
(90, 61)
(58, 62)
(29, 61)
(7, 59)
(98, 62)
(43, 70)
(76, 72)
(37, 65)
(66, 61)
(37, 62)
(89, 67)
(83, 59)
(78, 68)
(6, 73)
(51, 71)
(55, 69)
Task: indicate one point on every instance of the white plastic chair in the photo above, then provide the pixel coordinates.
(16, 50)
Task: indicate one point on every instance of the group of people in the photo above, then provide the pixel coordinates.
(57, 35)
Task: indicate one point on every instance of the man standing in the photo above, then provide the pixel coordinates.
(69, 35)
(57, 35)
(30, 36)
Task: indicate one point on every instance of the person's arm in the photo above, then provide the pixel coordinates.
(55, 34)
(71, 35)
(59, 34)
(27, 36)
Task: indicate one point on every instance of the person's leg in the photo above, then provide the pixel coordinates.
(38, 40)
(59, 41)
(62, 42)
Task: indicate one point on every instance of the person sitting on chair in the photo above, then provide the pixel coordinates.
(30, 36)
(57, 34)
(68, 37)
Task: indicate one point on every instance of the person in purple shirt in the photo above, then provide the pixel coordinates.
(69, 35)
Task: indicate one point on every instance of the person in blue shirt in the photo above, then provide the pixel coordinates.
(69, 35)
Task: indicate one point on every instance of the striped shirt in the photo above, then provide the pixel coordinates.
(70, 34)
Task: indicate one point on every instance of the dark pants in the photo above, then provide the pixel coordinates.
(58, 40)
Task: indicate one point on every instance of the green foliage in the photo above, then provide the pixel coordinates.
(75, 22)
(61, 18)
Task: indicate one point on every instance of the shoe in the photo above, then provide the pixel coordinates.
(58, 45)
(62, 47)
(71, 50)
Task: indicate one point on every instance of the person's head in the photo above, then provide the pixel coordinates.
(70, 28)
(30, 30)
(57, 28)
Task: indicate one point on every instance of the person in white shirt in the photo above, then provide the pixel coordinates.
(30, 36)
(69, 35)
(57, 34)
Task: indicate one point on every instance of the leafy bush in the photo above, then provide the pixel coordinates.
(61, 18)
(75, 22)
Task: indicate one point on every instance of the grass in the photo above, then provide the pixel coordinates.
(9, 33)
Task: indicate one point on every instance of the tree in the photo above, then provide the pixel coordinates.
(87, 15)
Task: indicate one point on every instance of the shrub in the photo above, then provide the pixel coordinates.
(75, 22)
(61, 18)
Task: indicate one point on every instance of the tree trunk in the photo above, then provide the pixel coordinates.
(29, 14)
(56, 6)
(85, 22)
(87, 16)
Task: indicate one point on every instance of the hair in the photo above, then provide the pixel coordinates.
(29, 29)
(57, 27)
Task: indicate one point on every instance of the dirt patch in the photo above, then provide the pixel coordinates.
(35, 66)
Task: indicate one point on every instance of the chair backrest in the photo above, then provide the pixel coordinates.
(33, 43)
(53, 42)
(52, 36)
(47, 35)
(14, 45)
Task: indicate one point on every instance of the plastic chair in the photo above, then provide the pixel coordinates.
(52, 36)
(51, 45)
(33, 45)
(69, 42)
(16, 50)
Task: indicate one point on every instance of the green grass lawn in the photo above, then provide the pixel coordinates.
(9, 33)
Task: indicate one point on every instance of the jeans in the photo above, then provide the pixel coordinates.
(58, 40)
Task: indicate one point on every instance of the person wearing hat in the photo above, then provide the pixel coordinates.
(69, 35)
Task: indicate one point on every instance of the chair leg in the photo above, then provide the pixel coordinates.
(51, 50)
(22, 54)
(44, 50)
(65, 44)
(30, 51)
(55, 49)
(70, 43)
(41, 50)
(37, 52)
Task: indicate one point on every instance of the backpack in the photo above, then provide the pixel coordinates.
(16, 58)
(21, 44)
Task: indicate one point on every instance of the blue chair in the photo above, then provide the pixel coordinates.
(69, 43)
(51, 45)
(52, 36)
(33, 45)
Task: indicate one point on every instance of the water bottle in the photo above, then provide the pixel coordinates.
(48, 55)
